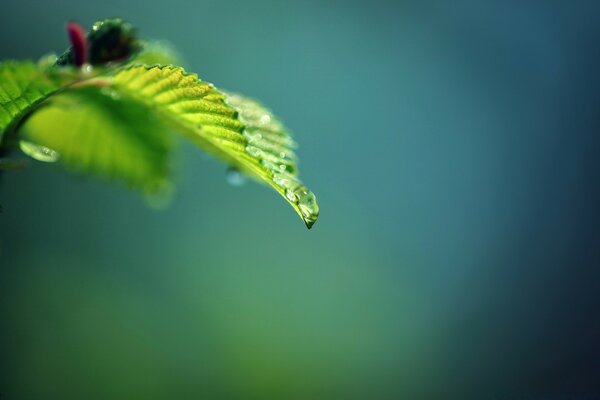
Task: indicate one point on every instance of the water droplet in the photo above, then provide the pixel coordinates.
(291, 196)
(280, 181)
(253, 137)
(284, 168)
(160, 195)
(37, 152)
(307, 203)
(253, 151)
(110, 93)
(264, 119)
(235, 177)
(87, 69)
(268, 165)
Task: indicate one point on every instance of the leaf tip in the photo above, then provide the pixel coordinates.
(309, 224)
(309, 220)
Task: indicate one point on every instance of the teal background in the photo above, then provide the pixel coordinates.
(453, 148)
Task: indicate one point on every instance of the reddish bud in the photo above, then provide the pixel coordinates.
(79, 43)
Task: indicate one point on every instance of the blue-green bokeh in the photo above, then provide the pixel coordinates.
(453, 147)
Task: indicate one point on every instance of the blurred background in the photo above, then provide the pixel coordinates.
(453, 147)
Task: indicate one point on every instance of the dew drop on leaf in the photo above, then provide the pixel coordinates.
(37, 152)
(307, 203)
(113, 94)
(87, 70)
(268, 165)
(264, 120)
(291, 196)
(253, 151)
(282, 180)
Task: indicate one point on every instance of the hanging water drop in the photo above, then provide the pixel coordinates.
(38, 152)
(160, 194)
(307, 203)
(235, 177)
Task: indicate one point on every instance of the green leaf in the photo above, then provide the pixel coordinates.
(95, 131)
(239, 131)
(22, 87)
(106, 121)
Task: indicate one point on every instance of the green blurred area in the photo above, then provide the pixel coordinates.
(448, 146)
(117, 300)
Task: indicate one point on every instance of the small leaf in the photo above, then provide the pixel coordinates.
(97, 132)
(22, 87)
(240, 131)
